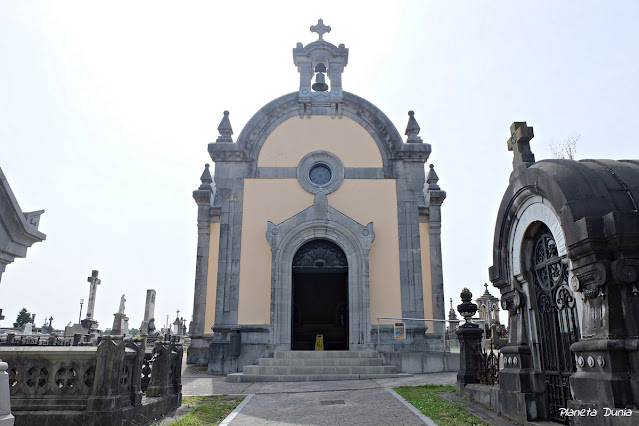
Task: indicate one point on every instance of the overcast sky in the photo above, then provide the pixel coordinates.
(107, 109)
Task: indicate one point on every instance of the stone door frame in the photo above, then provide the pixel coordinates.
(533, 211)
(320, 221)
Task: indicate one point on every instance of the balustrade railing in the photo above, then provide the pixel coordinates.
(115, 374)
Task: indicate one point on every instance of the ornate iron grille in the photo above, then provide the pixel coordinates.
(320, 254)
(487, 365)
(557, 320)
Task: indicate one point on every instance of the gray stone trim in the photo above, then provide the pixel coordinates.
(203, 197)
(291, 173)
(409, 185)
(320, 221)
(231, 189)
(320, 157)
(273, 114)
(276, 172)
(201, 273)
(436, 268)
(364, 173)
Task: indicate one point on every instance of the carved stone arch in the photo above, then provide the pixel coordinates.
(538, 259)
(269, 117)
(320, 221)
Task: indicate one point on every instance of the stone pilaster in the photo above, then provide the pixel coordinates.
(435, 198)
(204, 197)
(608, 356)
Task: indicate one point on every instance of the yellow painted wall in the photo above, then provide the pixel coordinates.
(375, 200)
(264, 199)
(278, 199)
(296, 137)
(211, 277)
(427, 284)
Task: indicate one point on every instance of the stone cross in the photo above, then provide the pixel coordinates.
(149, 312)
(149, 308)
(519, 143)
(94, 281)
(320, 28)
(178, 313)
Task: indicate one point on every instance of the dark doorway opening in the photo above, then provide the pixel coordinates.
(320, 296)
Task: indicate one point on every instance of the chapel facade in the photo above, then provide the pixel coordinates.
(318, 219)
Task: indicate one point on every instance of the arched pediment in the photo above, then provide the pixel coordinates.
(268, 118)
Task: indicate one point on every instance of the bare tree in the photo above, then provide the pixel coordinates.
(566, 149)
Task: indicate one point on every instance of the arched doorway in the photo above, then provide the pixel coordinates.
(557, 320)
(320, 296)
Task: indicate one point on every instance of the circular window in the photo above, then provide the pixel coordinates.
(320, 171)
(320, 174)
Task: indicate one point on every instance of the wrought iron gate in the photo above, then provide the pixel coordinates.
(557, 320)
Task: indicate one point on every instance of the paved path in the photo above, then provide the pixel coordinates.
(348, 402)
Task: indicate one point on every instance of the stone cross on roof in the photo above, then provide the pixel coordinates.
(320, 28)
(519, 143)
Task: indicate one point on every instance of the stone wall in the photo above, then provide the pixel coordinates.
(113, 383)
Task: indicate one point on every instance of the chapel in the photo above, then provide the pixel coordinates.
(318, 219)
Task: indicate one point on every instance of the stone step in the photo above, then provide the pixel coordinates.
(319, 362)
(325, 354)
(241, 377)
(319, 370)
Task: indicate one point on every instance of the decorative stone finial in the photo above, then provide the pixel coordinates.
(204, 195)
(519, 143)
(225, 130)
(206, 175)
(432, 178)
(467, 308)
(320, 28)
(412, 129)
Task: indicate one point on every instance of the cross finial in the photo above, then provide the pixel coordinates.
(519, 143)
(93, 279)
(178, 313)
(320, 28)
(451, 303)
(486, 286)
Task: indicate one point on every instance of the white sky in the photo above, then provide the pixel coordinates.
(107, 109)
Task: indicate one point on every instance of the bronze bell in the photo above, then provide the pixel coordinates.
(320, 82)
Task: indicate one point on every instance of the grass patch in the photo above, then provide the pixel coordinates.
(209, 410)
(442, 412)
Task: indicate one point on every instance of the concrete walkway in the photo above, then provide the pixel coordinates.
(349, 402)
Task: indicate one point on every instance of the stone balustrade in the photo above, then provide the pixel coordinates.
(114, 382)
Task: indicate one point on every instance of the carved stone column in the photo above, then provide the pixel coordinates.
(6, 418)
(469, 336)
(608, 356)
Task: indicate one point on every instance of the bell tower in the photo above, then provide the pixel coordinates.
(313, 60)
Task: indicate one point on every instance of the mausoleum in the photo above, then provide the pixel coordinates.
(318, 219)
(566, 261)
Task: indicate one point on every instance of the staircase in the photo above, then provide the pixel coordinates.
(306, 366)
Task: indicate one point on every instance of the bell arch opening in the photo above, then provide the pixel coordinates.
(319, 296)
